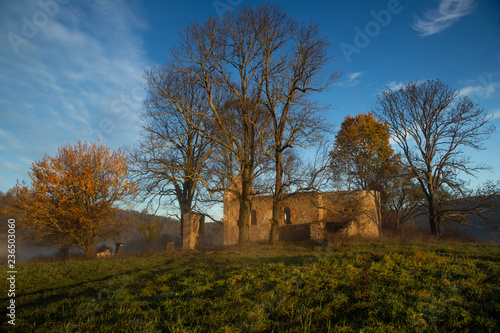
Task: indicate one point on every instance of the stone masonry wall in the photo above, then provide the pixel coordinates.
(354, 212)
(359, 211)
(295, 232)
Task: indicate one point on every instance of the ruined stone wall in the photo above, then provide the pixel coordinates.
(263, 207)
(359, 211)
(369, 223)
(350, 213)
(295, 232)
(304, 207)
(317, 231)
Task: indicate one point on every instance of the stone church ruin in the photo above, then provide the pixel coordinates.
(306, 216)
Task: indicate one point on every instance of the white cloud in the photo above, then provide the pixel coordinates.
(394, 86)
(62, 84)
(351, 80)
(482, 87)
(448, 13)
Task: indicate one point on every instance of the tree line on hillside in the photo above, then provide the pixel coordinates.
(233, 108)
(142, 227)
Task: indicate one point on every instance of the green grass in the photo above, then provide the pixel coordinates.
(377, 287)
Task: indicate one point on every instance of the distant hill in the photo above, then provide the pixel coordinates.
(475, 231)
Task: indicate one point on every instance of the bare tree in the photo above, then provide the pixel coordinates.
(403, 198)
(294, 59)
(257, 67)
(224, 58)
(175, 149)
(432, 124)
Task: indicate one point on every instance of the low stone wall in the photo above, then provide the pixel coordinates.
(318, 231)
(295, 232)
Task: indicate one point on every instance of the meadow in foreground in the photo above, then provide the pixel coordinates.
(366, 287)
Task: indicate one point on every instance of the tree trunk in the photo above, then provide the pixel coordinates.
(277, 200)
(434, 220)
(435, 224)
(185, 207)
(89, 251)
(438, 228)
(243, 227)
(245, 206)
(378, 207)
(432, 224)
(275, 222)
(183, 211)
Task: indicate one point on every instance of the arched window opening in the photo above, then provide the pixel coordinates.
(288, 218)
(254, 217)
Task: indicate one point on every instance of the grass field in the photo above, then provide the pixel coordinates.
(365, 287)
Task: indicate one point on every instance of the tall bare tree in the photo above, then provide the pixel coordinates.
(295, 60)
(175, 148)
(257, 67)
(432, 124)
(224, 58)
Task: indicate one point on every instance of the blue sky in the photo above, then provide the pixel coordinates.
(72, 70)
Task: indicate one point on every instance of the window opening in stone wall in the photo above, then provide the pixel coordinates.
(254, 217)
(288, 219)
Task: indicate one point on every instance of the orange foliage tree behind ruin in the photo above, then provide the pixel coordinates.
(362, 156)
(71, 196)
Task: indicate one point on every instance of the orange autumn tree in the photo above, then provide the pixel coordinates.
(71, 198)
(362, 157)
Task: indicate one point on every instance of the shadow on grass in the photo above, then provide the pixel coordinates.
(90, 291)
(193, 261)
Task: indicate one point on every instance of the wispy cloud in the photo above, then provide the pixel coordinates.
(394, 86)
(482, 87)
(351, 80)
(448, 13)
(65, 83)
